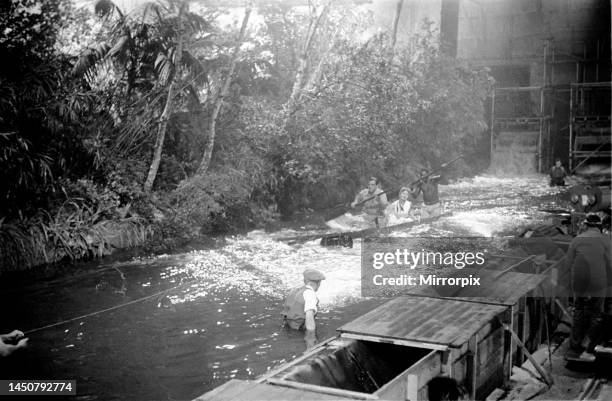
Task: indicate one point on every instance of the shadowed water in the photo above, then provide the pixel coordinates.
(219, 315)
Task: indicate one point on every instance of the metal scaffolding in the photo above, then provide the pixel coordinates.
(589, 108)
(589, 128)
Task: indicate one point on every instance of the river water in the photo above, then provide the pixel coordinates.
(172, 327)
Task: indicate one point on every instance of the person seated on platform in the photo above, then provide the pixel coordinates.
(12, 342)
(372, 200)
(588, 259)
(301, 305)
(399, 212)
(428, 185)
(588, 199)
(557, 174)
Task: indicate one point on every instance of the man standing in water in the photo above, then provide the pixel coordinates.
(428, 185)
(557, 174)
(301, 305)
(373, 201)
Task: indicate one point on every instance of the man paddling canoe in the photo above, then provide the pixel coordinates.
(428, 185)
(373, 201)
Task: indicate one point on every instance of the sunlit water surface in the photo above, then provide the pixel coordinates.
(219, 318)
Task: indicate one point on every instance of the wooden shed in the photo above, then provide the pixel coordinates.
(522, 293)
(465, 341)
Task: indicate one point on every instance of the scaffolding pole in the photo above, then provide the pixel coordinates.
(542, 109)
(540, 150)
(492, 124)
(571, 130)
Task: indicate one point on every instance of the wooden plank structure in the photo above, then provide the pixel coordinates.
(506, 288)
(426, 322)
(465, 336)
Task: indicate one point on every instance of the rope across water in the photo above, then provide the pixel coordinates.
(135, 301)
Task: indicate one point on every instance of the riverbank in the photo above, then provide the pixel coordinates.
(70, 235)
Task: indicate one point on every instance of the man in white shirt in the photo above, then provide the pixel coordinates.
(301, 304)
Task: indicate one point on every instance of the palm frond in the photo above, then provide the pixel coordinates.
(89, 57)
(120, 47)
(197, 23)
(148, 12)
(196, 69)
(163, 68)
(105, 8)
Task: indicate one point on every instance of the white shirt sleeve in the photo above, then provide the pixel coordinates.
(310, 300)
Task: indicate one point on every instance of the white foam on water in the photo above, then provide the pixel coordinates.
(488, 223)
(269, 268)
(257, 263)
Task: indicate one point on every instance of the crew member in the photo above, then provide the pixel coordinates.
(373, 201)
(11, 342)
(428, 185)
(300, 307)
(588, 198)
(588, 258)
(557, 174)
(399, 212)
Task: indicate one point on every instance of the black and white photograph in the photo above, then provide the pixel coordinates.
(283, 200)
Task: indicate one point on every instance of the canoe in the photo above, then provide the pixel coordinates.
(366, 231)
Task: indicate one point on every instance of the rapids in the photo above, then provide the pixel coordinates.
(216, 315)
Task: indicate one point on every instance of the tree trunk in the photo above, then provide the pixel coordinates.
(291, 104)
(218, 101)
(315, 77)
(163, 124)
(398, 11)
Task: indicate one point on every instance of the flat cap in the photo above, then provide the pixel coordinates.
(313, 275)
(592, 219)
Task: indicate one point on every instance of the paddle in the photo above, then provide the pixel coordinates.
(341, 209)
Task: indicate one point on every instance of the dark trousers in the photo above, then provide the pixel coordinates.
(587, 325)
(607, 320)
(557, 181)
(295, 324)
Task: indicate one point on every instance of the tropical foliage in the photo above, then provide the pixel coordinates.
(165, 123)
